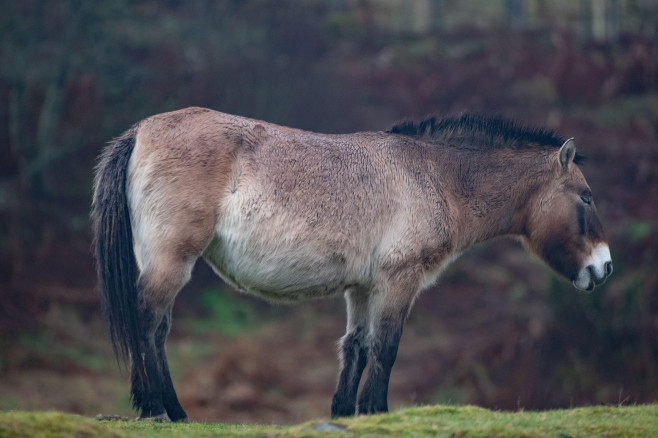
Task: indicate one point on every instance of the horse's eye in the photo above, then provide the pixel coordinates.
(586, 199)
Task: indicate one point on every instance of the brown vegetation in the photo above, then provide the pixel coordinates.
(498, 330)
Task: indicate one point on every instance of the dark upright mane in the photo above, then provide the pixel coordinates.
(480, 132)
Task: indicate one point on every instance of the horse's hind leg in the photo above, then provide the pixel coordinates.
(353, 354)
(169, 399)
(151, 387)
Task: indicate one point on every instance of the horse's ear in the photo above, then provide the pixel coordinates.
(567, 153)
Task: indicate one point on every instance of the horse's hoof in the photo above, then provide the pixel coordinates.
(162, 418)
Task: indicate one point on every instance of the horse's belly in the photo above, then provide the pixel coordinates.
(274, 261)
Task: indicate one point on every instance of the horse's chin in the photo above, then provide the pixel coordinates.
(584, 287)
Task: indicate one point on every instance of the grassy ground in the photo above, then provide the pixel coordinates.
(435, 421)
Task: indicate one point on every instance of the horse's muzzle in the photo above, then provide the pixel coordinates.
(598, 267)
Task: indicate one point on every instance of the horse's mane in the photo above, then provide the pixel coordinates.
(481, 132)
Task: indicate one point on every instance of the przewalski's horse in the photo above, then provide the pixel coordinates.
(291, 215)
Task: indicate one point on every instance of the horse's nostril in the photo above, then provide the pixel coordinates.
(608, 268)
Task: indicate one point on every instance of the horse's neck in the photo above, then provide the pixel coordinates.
(493, 190)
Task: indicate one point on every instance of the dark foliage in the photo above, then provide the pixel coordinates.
(501, 332)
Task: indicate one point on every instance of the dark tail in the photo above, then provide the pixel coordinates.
(113, 246)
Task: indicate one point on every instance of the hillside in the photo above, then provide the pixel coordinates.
(466, 421)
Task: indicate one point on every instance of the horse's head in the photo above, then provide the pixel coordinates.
(564, 228)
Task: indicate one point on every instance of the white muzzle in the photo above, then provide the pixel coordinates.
(596, 268)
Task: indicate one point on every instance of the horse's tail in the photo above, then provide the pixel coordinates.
(113, 246)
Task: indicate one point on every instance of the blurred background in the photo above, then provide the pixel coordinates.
(498, 330)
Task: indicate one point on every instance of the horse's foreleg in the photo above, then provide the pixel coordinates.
(169, 399)
(388, 311)
(353, 355)
(383, 349)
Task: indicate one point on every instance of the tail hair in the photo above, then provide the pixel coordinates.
(113, 246)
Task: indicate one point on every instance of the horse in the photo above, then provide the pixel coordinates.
(290, 215)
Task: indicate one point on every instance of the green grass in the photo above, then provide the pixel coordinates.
(434, 421)
(226, 314)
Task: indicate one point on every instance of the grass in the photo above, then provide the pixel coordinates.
(434, 421)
